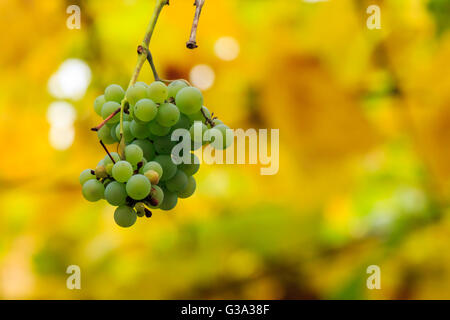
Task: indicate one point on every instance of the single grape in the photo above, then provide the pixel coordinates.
(157, 129)
(152, 165)
(189, 189)
(197, 131)
(93, 190)
(115, 193)
(138, 187)
(192, 167)
(126, 132)
(86, 175)
(125, 216)
(122, 171)
(145, 110)
(189, 100)
(140, 131)
(219, 130)
(176, 86)
(157, 91)
(156, 197)
(108, 108)
(164, 145)
(140, 209)
(169, 168)
(168, 114)
(178, 182)
(133, 153)
(136, 93)
(98, 104)
(169, 201)
(198, 116)
(104, 134)
(114, 92)
(147, 147)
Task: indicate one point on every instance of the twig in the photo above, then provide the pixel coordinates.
(152, 65)
(104, 147)
(192, 44)
(209, 121)
(106, 120)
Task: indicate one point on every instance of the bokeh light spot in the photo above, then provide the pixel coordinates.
(202, 76)
(71, 80)
(226, 48)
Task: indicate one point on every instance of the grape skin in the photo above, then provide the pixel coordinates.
(145, 110)
(122, 171)
(168, 115)
(108, 108)
(147, 148)
(115, 193)
(125, 216)
(170, 200)
(114, 92)
(98, 104)
(175, 86)
(152, 165)
(189, 100)
(138, 187)
(169, 168)
(133, 153)
(158, 92)
(158, 194)
(93, 190)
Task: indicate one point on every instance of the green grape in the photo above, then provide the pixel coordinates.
(189, 100)
(221, 129)
(168, 114)
(93, 190)
(108, 168)
(86, 175)
(113, 132)
(114, 92)
(126, 132)
(189, 189)
(157, 91)
(133, 153)
(115, 193)
(163, 145)
(157, 197)
(126, 117)
(183, 123)
(178, 182)
(169, 168)
(104, 134)
(98, 104)
(101, 163)
(157, 129)
(176, 86)
(147, 147)
(100, 172)
(145, 110)
(197, 131)
(108, 108)
(141, 83)
(152, 165)
(136, 93)
(198, 116)
(107, 159)
(140, 131)
(122, 171)
(138, 187)
(192, 167)
(170, 200)
(125, 216)
(140, 209)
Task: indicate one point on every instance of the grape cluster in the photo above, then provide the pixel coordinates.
(145, 175)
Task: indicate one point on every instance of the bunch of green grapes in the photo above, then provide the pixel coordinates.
(145, 176)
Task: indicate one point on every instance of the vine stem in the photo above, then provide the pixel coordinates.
(143, 54)
(192, 44)
(106, 120)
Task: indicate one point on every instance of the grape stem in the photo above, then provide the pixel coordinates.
(143, 54)
(208, 120)
(152, 65)
(109, 155)
(192, 44)
(106, 120)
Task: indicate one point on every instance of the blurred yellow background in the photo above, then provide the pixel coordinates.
(364, 119)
